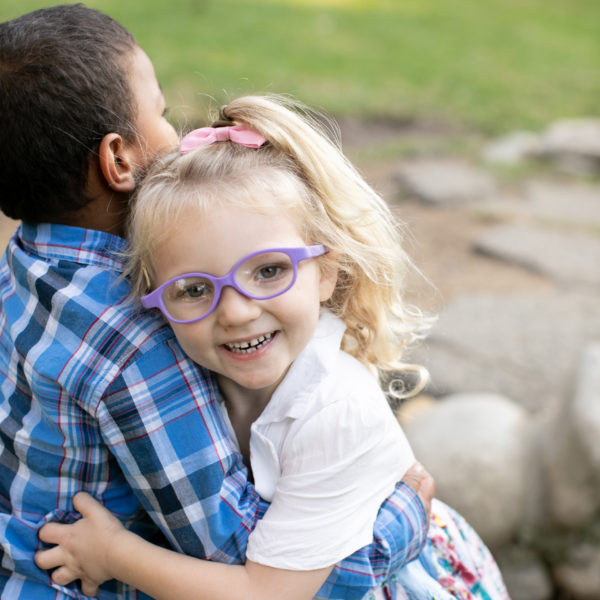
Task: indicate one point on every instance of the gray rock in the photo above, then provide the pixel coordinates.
(444, 181)
(572, 454)
(525, 576)
(477, 447)
(572, 136)
(551, 202)
(511, 148)
(572, 495)
(574, 145)
(579, 575)
(567, 257)
(586, 406)
(575, 203)
(525, 346)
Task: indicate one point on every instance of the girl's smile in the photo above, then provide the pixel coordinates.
(250, 346)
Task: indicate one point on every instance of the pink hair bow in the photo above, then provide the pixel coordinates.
(240, 134)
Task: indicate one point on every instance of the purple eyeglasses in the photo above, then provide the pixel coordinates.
(260, 276)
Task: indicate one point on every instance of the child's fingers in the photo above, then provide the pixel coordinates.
(50, 558)
(84, 503)
(63, 576)
(52, 533)
(89, 588)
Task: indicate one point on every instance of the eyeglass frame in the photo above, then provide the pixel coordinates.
(297, 254)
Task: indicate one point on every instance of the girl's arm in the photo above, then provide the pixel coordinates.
(97, 548)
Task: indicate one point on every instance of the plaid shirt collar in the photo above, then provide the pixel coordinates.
(55, 242)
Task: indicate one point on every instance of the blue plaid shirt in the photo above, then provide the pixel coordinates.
(97, 395)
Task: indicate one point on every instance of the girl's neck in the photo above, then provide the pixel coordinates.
(244, 406)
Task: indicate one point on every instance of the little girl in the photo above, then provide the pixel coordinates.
(280, 270)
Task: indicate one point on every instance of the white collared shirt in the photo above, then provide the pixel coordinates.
(326, 452)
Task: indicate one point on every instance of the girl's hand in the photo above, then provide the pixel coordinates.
(83, 549)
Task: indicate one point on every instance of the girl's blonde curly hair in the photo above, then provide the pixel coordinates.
(304, 170)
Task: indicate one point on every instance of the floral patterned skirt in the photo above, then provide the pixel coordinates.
(454, 565)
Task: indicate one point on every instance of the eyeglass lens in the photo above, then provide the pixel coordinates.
(261, 276)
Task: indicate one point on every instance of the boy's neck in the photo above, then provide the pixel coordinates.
(110, 205)
(108, 211)
(101, 214)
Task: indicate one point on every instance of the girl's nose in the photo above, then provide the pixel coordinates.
(235, 309)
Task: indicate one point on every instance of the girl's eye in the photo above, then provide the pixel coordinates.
(196, 291)
(265, 273)
(269, 271)
(186, 290)
(273, 272)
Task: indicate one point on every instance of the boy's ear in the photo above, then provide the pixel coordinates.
(116, 163)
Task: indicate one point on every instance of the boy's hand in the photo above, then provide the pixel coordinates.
(423, 484)
(82, 548)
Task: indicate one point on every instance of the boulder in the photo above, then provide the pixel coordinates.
(579, 575)
(511, 148)
(574, 144)
(477, 447)
(567, 257)
(571, 450)
(525, 346)
(444, 181)
(525, 575)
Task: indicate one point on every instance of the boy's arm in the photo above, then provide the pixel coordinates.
(98, 548)
(399, 534)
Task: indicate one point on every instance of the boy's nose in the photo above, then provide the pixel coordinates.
(235, 308)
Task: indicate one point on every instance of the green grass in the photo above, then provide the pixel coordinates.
(494, 65)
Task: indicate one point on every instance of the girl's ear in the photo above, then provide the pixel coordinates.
(116, 164)
(329, 274)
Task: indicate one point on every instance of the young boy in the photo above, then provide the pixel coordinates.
(95, 394)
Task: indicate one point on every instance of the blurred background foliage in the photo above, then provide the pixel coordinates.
(492, 65)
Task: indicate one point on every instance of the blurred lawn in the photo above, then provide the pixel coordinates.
(492, 64)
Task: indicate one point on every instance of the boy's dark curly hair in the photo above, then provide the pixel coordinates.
(64, 85)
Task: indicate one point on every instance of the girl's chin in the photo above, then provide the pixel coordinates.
(251, 382)
(258, 385)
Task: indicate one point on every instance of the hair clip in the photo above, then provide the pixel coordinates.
(239, 134)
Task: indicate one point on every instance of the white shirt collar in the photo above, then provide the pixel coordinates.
(315, 361)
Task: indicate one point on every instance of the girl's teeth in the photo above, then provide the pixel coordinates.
(251, 346)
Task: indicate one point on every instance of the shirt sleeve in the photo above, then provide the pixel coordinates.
(399, 536)
(336, 471)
